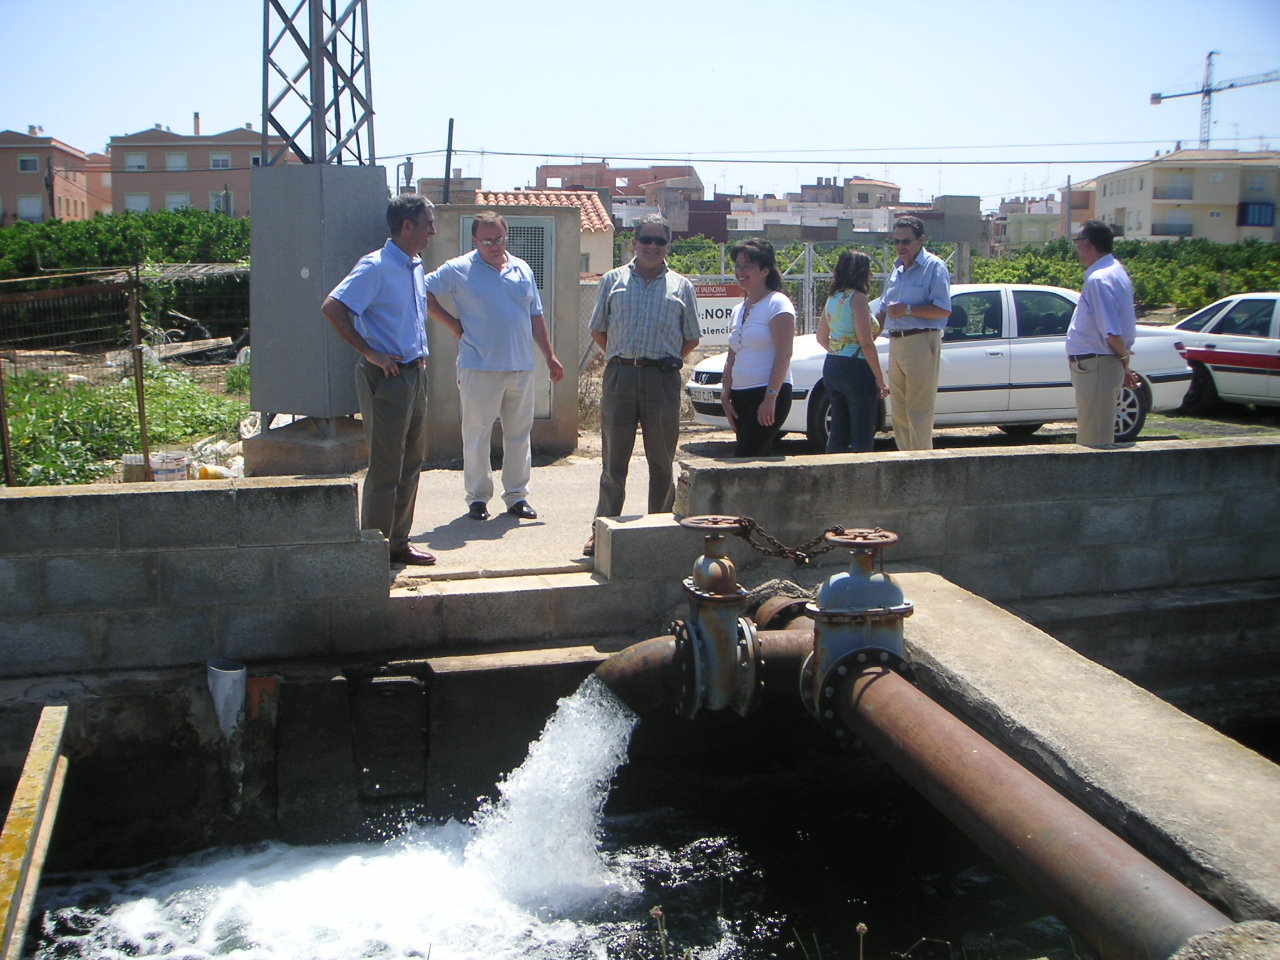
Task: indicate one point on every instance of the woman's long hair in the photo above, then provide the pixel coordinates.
(760, 252)
(853, 272)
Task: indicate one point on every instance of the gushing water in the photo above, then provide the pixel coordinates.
(526, 879)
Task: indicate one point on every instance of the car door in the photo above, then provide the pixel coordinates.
(1242, 350)
(1041, 378)
(974, 373)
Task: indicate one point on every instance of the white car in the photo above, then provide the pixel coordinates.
(1004, 362)
(1234, 350)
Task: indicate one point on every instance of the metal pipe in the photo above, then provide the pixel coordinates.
(649, 678)
(1115, 898)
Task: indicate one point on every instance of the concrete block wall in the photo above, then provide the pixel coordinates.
(149, 575)
(1027, 522)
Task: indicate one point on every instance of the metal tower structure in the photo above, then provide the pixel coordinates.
(317, 93)
(1209, 88)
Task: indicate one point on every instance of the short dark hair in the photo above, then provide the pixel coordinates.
(1098, 234)
(760, 252)
(485, 217)
(853, 272)
(915, 224)
(405, 207)
(653, 220)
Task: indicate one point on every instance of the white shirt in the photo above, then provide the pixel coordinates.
(752, 342)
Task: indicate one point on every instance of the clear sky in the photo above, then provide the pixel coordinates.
(990, 97)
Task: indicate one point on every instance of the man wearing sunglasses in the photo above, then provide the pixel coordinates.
(913, 313)
(498, 324)
(646, 322)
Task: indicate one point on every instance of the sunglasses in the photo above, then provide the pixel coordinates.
(499, 242)
(902, 243)
(649, 241)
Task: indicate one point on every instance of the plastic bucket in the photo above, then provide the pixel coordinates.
(165, 467)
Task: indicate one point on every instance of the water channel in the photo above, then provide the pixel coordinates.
(747, 856)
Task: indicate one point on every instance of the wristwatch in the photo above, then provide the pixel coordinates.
(771, 392)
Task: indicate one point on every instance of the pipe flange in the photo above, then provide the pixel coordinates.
(750, 667)
(824, 708)
(702, 596)
(690, 670)
(715, 523)
(776, 612)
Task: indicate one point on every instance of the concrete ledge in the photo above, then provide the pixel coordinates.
(1196, 802)
(1027, 522)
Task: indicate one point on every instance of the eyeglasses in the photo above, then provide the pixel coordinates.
(899, 242)
(649, 240)
(499, 242)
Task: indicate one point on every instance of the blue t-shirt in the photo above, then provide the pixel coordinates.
(495, 308)
(384, 291)
(927, 281)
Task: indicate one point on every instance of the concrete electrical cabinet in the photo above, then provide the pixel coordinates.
(311, 223)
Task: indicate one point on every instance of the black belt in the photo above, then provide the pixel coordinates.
(416, 362)
(635, 361)
(908, 333)
(1073, 358)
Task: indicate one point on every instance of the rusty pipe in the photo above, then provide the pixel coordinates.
(650, 678)
(1111, 895)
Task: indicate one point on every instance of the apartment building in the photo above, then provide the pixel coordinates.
(41, 178)
(1220, 195)
(157, 169)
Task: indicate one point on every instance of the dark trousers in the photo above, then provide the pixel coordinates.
(649, 398)
(754, 439)
(851, 388)
(394, 411)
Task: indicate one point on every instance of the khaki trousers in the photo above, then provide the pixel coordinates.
(913, 387)
(1097, 382)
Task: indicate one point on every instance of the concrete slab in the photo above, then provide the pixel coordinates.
(1198, 803)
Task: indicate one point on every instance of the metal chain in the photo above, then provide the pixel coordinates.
(801, 555)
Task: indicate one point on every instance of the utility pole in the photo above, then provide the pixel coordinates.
(1209, 88)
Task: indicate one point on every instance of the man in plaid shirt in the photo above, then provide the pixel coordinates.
(646, 322)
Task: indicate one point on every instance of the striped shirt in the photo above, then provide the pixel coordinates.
(641, 318)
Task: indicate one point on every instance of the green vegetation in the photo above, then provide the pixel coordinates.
(239, 379)
(1185, 274)
(71, 432)
(118, 240)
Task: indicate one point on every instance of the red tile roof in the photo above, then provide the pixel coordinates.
(594, 215)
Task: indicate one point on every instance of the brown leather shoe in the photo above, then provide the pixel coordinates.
(412, 556)
(589, 548)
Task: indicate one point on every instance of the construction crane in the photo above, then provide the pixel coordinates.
(1209, 88)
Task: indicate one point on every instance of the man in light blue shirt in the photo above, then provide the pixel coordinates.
(913, 313)
(1100, 337)
(380, 311)
(499, 321)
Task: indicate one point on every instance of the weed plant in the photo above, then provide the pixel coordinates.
(64, 431)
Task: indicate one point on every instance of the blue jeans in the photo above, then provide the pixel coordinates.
(851, 388)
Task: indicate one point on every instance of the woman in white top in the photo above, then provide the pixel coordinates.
(756, 392)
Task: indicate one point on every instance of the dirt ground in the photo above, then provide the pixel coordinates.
(697, 440)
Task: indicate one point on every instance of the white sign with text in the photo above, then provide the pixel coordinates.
(715, 309)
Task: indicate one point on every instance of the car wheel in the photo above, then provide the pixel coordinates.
(1019, 429)
(1131, 412)
(1202, 395)
(819, 416)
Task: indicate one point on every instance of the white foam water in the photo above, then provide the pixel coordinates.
(526, 879)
